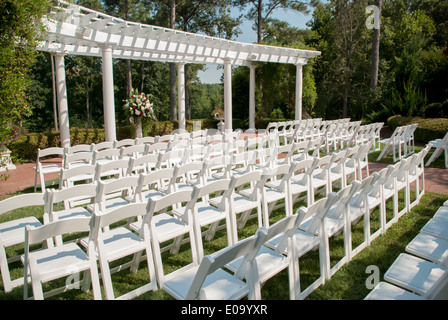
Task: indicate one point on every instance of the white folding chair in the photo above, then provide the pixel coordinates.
(12, 232)
(441, 146)
(208, 281)
(165, 224)
(299, 182)
(43, 168)
(204, 213)
(112, 243)
(360, 209)
(310, 237)
(59, 261)
(319, 177)
(272, 260)
(243, 205)
(416, 175)
(274, 186)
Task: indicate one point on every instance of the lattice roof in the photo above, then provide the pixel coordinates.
(78, 30)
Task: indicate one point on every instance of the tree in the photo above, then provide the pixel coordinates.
(376, 46)
(20, 25)
(260, 11)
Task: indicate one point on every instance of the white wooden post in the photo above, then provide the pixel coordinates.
(108, 94)
(181, 95)
(228, 95)
(62, 100)
(252, 98)
(299, 87)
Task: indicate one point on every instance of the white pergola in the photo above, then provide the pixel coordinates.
(76, 30)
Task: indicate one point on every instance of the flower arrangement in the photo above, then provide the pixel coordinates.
(140, 106)
(217, 112)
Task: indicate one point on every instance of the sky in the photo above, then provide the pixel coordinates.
(295, 19)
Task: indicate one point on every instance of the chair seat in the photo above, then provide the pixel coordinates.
(242, 203)
(387, 291)
(167, 227)
(269, 262)
(73, 212)
(120, 242)
(415, 274)
(13, 232)
(220, 285)
(50, 168)
(207, 214)
(53, 262)
(442, 213)
(429, 247)
(436, 227)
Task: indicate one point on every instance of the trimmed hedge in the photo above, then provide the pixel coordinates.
(25, 147)
(427, 130)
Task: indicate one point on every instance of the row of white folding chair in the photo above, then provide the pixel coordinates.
(441, 146)
(401, 142)
(421, 272)
(368, 132)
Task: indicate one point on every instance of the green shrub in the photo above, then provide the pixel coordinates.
(427, 130)
(25, 147)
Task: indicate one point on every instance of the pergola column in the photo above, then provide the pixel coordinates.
(252, 98)
(299, 87)
(228, 95)
(61, 85)
(108, 94)
(181, 95)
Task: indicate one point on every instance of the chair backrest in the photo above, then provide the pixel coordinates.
(146, 161)
(102, 145)
(246, 248)
(133, 150)
(119, 166)
(145, 140)
(68, 196)
(81, 156)
(157, 147)
(124, 143)
(78, 148)
(158, 177)
(343, 198)
(21, 201)
(158, 204)
(126, 186)
(49, 152)
(109, 154)
(127, 211)
(200, 191)
(53, 229)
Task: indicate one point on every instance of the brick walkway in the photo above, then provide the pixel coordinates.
(436, 180)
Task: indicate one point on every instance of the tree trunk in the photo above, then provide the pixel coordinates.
(259, 20)
(173, 101)
(376, 49)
